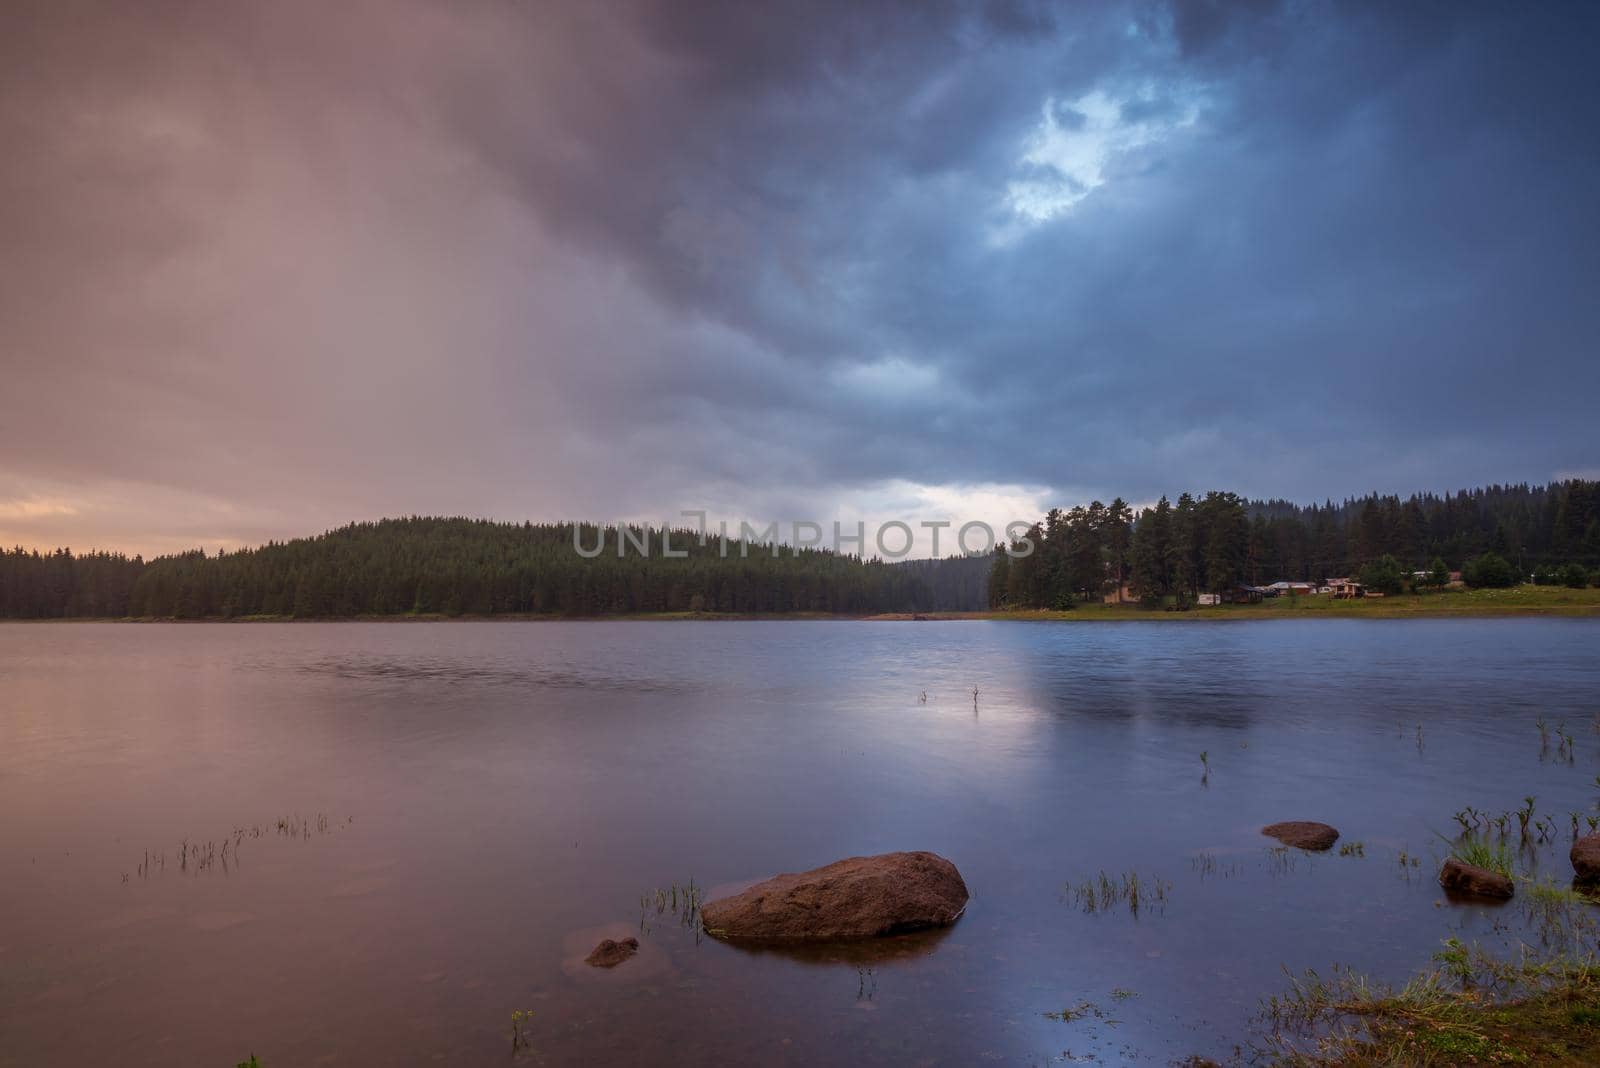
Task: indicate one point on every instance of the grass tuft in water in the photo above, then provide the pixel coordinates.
(1104, 892)
(1493, 857)
(1079, 1011)
(521, 1019)
(680, 902)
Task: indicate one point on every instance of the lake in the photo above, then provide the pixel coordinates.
(429, 824)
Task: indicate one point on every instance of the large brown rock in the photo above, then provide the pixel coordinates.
(1303, 834)
(862, 897)
(1469, 880)
(1585, 858)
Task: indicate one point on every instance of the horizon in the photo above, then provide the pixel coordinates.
(921, 544)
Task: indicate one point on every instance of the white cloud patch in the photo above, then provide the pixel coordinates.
(1074, 148)
(893, 376)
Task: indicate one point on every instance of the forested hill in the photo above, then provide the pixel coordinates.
(1212, 543)
(477, 567)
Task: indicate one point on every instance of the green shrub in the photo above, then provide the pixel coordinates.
(1491, 570)
(1383, 575)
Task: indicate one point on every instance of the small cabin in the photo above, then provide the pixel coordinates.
(1345, 588)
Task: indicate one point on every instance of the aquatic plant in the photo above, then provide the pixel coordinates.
(251, 1063)
(1077, 1012)
(195, 857)
(520, 1019)
(1282, 860)
(866, 982)
(1524, 814)
(1353, 849)
(1102, 892)
(1564, 746)
(680, 902)
(1207, 865)
(1561, 916)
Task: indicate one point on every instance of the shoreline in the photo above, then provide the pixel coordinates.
(1544, 601)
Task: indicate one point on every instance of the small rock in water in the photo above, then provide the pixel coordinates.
(861, 897)
(610, 952)
(1303, 834)
(1585, 857)
(1472, 881)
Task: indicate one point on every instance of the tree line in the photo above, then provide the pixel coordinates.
(458, 566)
(1216, 542)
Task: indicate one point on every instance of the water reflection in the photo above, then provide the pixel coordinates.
(878, 952)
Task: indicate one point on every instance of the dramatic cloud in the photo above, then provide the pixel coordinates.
(266, 268)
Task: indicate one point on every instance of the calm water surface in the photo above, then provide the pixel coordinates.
(483, 801)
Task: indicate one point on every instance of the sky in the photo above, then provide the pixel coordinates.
(266, 269)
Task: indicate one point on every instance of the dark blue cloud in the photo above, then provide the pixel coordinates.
(1350, 247)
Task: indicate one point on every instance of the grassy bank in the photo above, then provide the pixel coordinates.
(1552, 1019)
(1519, 601)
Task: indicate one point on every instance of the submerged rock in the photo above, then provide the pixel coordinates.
(611, 952)
(861, 897)
(1585, 858)
(1303, 834)
(1458, 877)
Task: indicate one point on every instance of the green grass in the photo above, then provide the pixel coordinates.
(1545, 1013)
(1105, 891)
(1480, 854)
(1520, 600)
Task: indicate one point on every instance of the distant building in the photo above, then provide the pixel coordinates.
(1290, 589)
(1345, 587)
(1208, 599)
